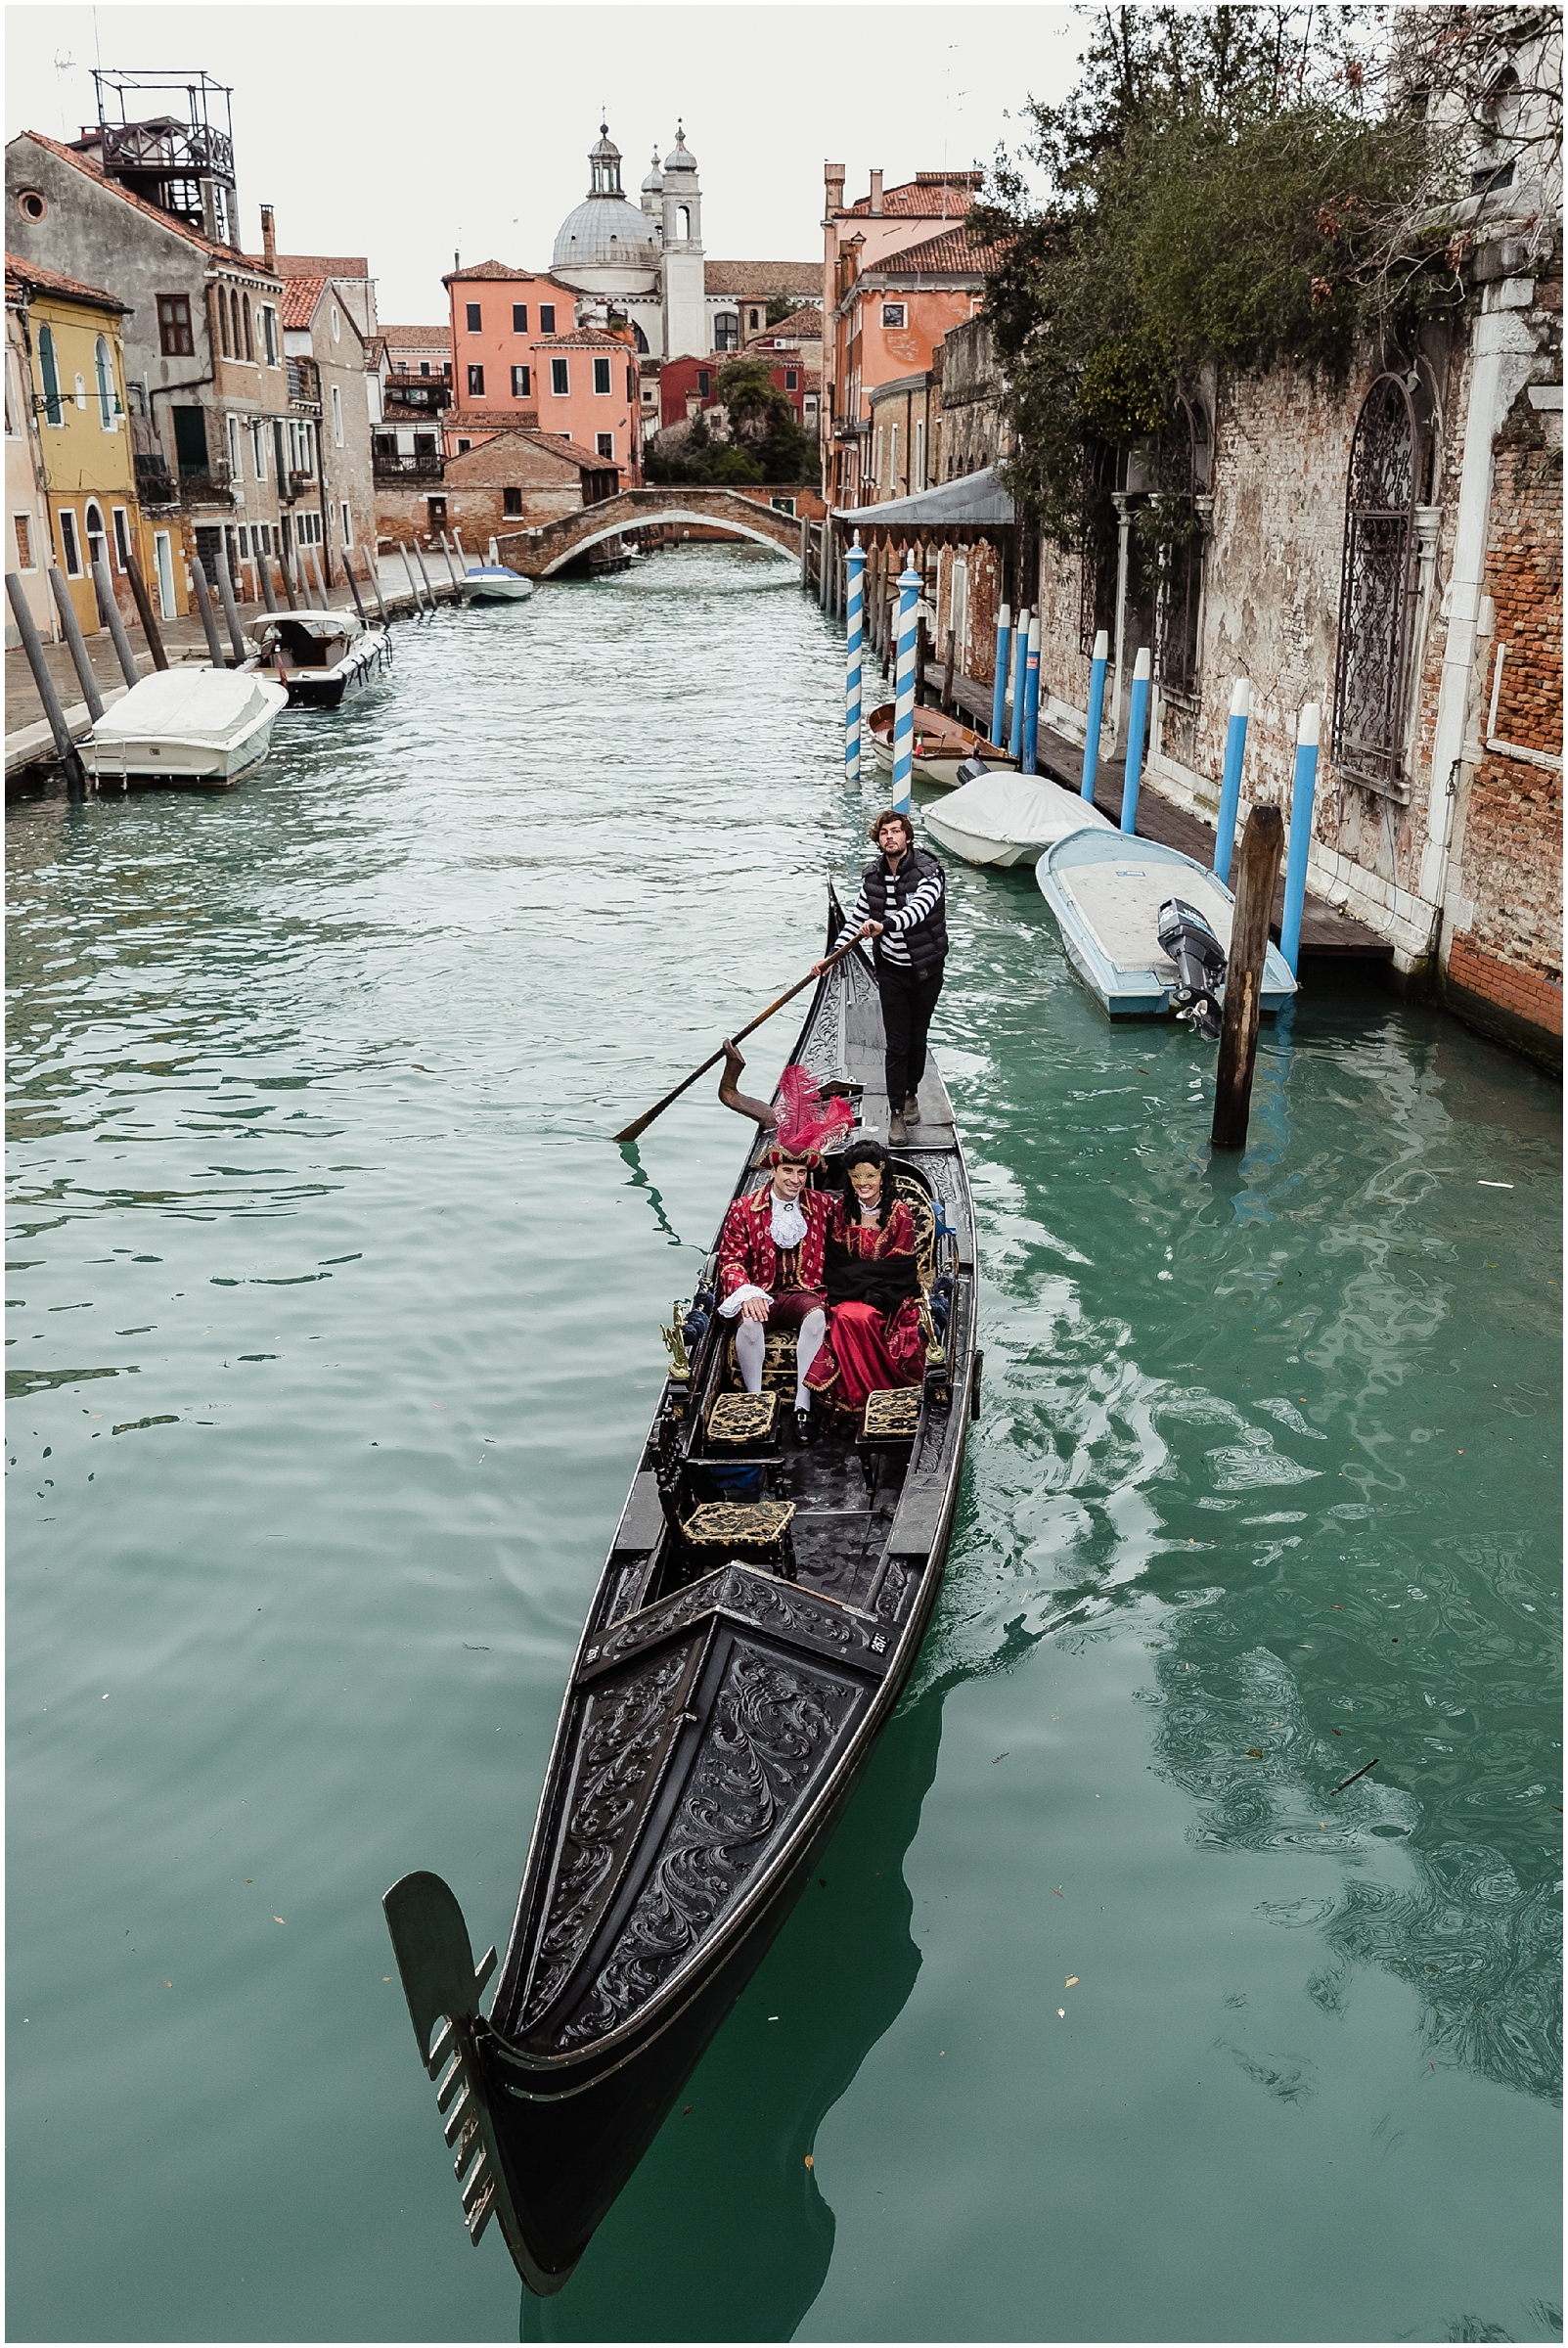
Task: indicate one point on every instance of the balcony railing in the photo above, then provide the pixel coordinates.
(154, 483)
(193, 147)
(206, 488)
(425, 465)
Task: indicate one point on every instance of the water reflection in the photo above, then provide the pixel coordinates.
(723, 2233)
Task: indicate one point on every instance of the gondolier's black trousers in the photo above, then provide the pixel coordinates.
(908, 1003)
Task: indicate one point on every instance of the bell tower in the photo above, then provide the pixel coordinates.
(686, 309)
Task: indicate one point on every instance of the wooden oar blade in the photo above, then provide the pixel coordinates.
(629, 1133)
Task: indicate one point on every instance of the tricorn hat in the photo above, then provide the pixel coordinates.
(807, 1123)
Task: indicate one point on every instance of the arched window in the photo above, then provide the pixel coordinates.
(49, 368)
(244, 315)
(1376, 588)
(234, 322)
(682, 222)
(104, 369)
(727, 331)
(97, 536)
(223, 324)
(640, 338)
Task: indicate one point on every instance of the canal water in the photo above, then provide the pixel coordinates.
(332, 1334)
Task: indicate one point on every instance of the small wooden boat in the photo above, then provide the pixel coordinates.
(496, 583)
(1009, 819)
(324, 658)
(941, 745)
(758, 1615)
(197, 726)
(1106, 889)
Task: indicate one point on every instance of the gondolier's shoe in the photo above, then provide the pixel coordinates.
(912, 1109)
(896, 1134)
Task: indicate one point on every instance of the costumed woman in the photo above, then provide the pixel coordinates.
(874, 1339)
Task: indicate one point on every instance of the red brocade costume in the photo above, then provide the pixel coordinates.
(748, 1258)
(868, 1350)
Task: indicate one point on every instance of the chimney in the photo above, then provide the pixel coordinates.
(876, 192)
(269, 240)
(834, 175)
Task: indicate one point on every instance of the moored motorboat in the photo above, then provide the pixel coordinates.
(496, 582)
(942, 745)
(1109, 891)
(758, 1616)
(192, 726)
(323, 658)
(1007, 819)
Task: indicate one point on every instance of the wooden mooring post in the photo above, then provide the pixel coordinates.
(64, 748)
(74, 637)
(108, 613)
(145, 611)
(1261, 846)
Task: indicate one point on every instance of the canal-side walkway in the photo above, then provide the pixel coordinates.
(1327, 933)
(29, 740)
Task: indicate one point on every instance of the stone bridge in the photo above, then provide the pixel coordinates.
(539, 554)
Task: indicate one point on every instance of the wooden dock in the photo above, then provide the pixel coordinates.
(1327, 936)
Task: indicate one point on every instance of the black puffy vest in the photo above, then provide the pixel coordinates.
(927, 941)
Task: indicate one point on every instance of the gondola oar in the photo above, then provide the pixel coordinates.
(641, 1124)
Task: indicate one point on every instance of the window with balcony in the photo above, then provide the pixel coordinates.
(547, 317)
(560, 378)
(474, 321)
(476, 382)
(521, 381)
(174, 336)
(511, 501)
(519, 317)
(602, 377)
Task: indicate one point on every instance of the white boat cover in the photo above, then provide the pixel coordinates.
(323, 626)
(974, 499)
(213, 707)
(1014, 810)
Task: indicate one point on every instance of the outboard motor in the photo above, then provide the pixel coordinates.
(972, 770)
(1199, 959)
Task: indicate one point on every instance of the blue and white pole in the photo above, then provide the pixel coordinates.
(998, 691)
(1097, 712)
(1137, 714)
(1031, 697)
(909, 590)
(1020, 654)
(1235, 743)
(1303, 791)
(855, 562)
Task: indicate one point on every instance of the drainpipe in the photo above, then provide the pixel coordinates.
(1123, 503)
(1503, 348)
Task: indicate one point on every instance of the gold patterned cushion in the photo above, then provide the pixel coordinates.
(891, 1416)
(740, 1418)
(740, 1525)
(778, 1364)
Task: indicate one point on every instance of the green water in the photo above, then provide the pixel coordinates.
(333, 1336)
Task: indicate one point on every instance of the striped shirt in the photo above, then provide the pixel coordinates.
(922, 902)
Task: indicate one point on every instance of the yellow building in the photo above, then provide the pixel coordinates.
(72, 333)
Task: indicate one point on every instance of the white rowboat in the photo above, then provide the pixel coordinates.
(1106, 889)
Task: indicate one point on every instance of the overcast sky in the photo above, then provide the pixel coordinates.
(406, 132)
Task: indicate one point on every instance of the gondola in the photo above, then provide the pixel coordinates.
(759, 1613)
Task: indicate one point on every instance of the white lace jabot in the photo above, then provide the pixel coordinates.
(788, 1221)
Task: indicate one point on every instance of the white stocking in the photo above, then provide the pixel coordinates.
(809, 1343)
(750, 1351)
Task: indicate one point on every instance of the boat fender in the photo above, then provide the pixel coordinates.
(699, 1314)
(975, 1383)
(940, 1306)
(972, 770)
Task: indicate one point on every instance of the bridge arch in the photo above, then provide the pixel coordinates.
(643, 519)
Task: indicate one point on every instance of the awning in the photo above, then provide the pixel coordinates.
(977, 500)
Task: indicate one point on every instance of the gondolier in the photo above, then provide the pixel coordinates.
(902, 906)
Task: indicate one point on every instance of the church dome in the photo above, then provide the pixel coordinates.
(680, 156)
(604, 231)
(653, 183)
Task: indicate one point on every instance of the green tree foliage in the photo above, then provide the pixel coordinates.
(766, 443)
(1222, 193)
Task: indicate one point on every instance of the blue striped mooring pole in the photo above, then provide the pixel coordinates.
(998, 691)
(1303, 791)
(1031, 697)
(908, 589)
(1020, 654)
(1137, 712)
(1235, 743)
(1097, 712)
(855, 563)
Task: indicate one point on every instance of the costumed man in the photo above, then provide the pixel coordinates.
(773, 1243)
(900, 906)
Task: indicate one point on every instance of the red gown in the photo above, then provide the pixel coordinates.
(867, 1350)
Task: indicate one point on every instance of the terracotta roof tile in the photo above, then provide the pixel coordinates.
(749, 280)
(559, 445)
(21, 276)
(501, 269)
(321, 264)
(490, 420)
(416, 338)
(588, 337)
(950, 251)
(922, 196)
(804, 324)
(91, 169)
(300, 295)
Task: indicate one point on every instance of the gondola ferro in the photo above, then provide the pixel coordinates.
(758, 1616)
